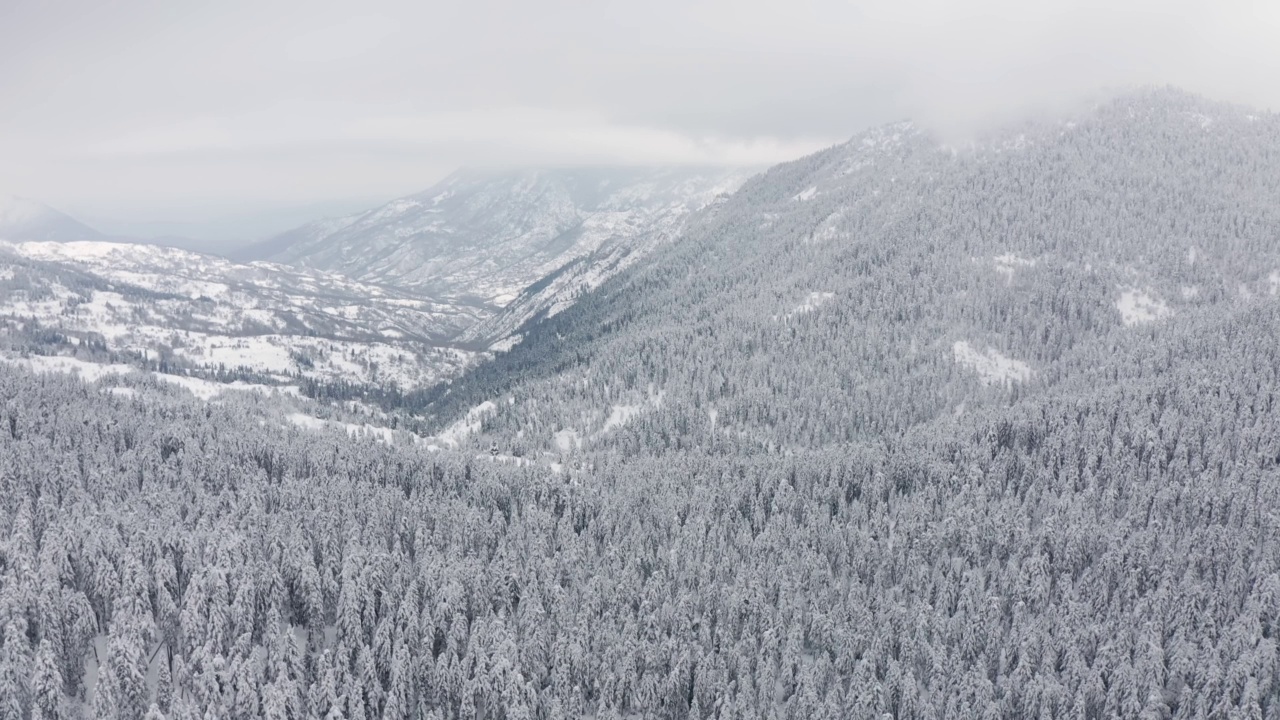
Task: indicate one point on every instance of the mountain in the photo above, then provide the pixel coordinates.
(207, 314)
(892, 281)
(507, 248)
(487, 237)
(23, 219)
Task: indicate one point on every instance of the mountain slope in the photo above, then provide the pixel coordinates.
(890, 281)
(23, 219)
(488, 236)
(207, 313)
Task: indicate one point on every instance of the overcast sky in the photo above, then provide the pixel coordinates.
(169, 112)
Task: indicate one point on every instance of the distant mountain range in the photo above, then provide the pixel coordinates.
(488, 236)
(25, 219)
(401, 295)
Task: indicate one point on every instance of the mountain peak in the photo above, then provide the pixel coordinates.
(16, 210)
(26, 219)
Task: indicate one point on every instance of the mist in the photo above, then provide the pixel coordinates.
(163, 114)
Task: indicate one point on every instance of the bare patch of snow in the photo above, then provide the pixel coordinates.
(302, 420)
(506, 343)
(1204, 121)
(991, 366)
(468, 425)
(619, 415)
(1190, 291)
(812, 301)
(1139, 306)
(208, 389)
(85, 370)
(567, 440)
(1006, 264)
(1274, 280)
(806, 194)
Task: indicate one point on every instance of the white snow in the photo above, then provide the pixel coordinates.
(87, 371)
(1274, 280)
(208, 389)
(1200, 118)
(468, 425)
(1189, 291)
(506, 344)
(567, 440)
(93, 372)
(806, 194)
(619, 415)
(302, 420)
(1192, 254)
(1139, 306)
(1006, 264)
(812, 301)
(991, 366)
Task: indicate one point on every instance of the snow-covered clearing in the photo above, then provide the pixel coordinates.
(991, 366)
(812, 302)
(87, 371)
(93, 372)
(506, 343)
(386, 435)
(806, 194)
(567, 440)
(468, 425)
(1139, 306)
(619, 415)
(208, 389)
(1008, 263)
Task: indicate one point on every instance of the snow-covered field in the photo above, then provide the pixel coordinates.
(1140, 306)
(992, 367)
(212, 313)
(95, 372)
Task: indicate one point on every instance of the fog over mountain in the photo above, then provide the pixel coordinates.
(33, 220)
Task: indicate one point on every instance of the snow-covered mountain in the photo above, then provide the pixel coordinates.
(904, 280)
(25, 219)
(400, 296)
(497, 237)
(204, 312)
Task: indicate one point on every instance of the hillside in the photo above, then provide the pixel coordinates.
(487, 237)
(184, 311)
(25, 219)
(891, 281)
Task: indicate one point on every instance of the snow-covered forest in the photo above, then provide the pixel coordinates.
(896, 430)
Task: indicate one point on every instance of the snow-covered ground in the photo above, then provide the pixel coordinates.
(811, 302)
(992, 367)
(806, 194)
(469, 424)
(94, 372)
(307, 422)
(1140, 306)
(87, 371)
(1008, 263)
(214, 313)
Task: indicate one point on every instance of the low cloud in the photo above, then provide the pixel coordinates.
(142, 107)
